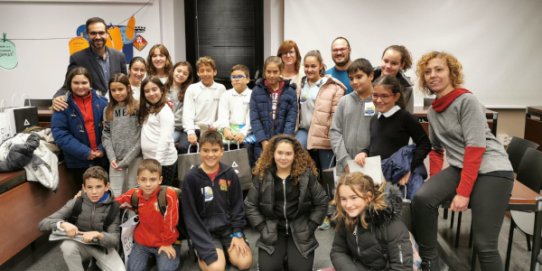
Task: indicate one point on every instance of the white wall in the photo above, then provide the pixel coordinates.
(497, 41)
(42, 63)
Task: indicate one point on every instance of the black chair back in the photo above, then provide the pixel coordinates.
(530, 169)
(517, 149)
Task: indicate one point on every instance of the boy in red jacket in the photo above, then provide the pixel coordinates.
(156, 234)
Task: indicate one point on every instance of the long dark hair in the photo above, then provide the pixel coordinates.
(185, 84)
(146, 108)
(130, 103)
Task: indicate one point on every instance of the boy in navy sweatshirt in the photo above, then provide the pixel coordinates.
(213, 209)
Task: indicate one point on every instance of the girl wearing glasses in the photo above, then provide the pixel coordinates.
(285, 204)
(390, 129)
(289, 53)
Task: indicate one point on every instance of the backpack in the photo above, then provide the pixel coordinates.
(112, 213)
(162, 206)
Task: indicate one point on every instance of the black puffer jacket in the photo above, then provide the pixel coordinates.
(311, 210)
(385, 245)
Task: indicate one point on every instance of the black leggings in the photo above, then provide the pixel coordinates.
(169, 175)
(488, 202)
(284, 247)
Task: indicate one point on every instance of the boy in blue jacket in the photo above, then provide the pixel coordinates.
(213, 209)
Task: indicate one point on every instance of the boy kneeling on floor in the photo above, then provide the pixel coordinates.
(213, 209)
(94, 218)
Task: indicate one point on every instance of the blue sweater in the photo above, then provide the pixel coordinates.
(71, 136)
(261, 119)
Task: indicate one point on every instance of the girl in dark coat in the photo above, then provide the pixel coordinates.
(370, 235)
(285, 204)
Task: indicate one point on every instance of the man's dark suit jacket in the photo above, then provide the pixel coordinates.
(86, 58)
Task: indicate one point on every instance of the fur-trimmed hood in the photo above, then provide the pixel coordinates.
(393, 211)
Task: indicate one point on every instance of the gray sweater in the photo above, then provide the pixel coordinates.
(121, 136)
(349, 132)
(462, 124)
(91, 218)
(177, 108)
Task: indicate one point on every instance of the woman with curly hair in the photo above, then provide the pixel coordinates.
(285, 204)
(370, 234)
(479, 176)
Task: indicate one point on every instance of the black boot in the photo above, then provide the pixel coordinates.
(430, 266)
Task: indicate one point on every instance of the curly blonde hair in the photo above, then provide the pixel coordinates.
(365, 188)
(455, 67)
(302, 160)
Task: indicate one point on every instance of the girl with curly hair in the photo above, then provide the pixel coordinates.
(370, 234)
(285, 204)
(479, 175)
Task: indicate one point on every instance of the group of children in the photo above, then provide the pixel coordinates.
(295, 131)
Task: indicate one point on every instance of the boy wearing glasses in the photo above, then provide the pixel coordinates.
(233, 109)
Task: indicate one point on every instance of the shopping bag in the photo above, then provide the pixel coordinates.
(187, 161)
(238, 160)
(127, 233)
(23, 117)
(6, 130)
(329, 178)
(5, 126)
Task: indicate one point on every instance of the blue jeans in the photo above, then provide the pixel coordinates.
(139, 258)
(181, 141)
(325, 158)
(302, 136)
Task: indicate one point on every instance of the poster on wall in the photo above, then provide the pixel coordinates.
(8, 54)
(77, 44)
(121, 37)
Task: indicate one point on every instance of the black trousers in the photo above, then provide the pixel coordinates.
(284, 247)
(169, 175)
(488, 202)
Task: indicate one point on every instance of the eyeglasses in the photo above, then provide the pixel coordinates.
(290, 53)
(382, 96)
(339, 50)
(237, 77)
(94, 33)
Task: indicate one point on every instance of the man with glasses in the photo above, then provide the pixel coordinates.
(102, 62)
(340, 53)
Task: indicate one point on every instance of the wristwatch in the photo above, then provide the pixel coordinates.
(238, 234)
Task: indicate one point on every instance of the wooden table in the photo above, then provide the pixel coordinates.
(24, 205)
(525, 199)
(533, 125)
(421, 113)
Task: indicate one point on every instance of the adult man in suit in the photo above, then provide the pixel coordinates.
(340, 53)
(102, 62)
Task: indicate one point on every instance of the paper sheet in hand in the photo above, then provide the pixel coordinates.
(60, 235)
(373, 168)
